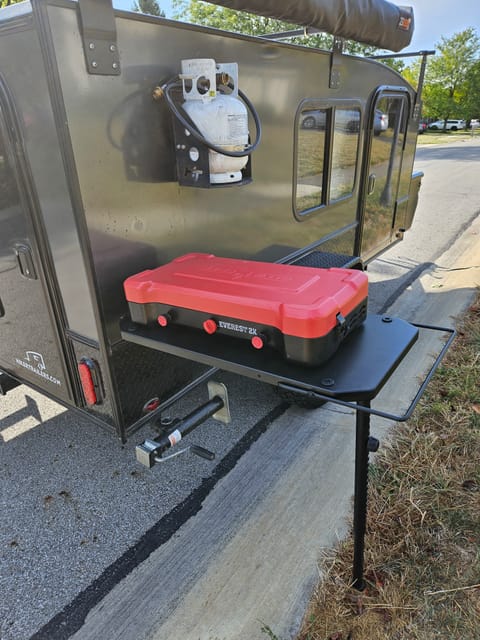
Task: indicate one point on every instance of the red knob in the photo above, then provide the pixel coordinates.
(163, 320)
(257, 342)
(210, 326)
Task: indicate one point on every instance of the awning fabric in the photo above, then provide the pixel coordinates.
(375, 22)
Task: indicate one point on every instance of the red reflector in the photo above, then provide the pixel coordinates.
(88, 385)
(151, 405)
(210, 326)
(257, 342)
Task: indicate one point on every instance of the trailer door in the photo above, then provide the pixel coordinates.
(29, 342)
(388, 124)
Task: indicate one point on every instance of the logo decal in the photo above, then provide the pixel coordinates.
(240, 328)
(35, 359)
(404, 23)
(35, 363)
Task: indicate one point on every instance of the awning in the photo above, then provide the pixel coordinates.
(375, 22)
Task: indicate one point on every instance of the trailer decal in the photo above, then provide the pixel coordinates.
(35, 363)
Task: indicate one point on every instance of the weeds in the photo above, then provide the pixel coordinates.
(423, 538)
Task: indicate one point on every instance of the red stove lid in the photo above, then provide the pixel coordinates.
(299, 301)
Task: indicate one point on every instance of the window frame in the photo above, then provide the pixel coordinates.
(330, 106)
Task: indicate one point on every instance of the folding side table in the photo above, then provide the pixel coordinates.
(352, 377)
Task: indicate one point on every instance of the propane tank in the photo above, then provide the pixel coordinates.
(222, 119)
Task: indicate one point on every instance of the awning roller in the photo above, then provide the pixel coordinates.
(375, 22)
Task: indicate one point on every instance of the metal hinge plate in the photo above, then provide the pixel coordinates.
(99, 37)
(335, 63)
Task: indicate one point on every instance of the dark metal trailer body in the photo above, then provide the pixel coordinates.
(89, 193)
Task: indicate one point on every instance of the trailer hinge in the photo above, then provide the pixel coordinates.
(335, 63)
(99, 37)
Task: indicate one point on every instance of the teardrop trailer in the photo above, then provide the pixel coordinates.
(129, 144)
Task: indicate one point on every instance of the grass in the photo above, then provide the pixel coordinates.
(439, 137)
(311, 145)
(423, 538)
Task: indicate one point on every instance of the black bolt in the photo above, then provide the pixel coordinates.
(327, 382)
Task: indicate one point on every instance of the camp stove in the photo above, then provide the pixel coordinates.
(302, 312)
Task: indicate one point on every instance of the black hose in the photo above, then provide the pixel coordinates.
(166, 88)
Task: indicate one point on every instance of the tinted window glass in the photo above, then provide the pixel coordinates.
(344, 152)
(327, 152)
(389, 126)
(311, 158)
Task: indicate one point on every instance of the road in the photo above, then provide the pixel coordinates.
(83, 527)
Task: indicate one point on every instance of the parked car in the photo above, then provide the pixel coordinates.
(348, 119)
(421, 127)
(314, 119)
(452, 125)
(474, 123)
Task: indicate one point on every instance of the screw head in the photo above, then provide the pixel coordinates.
(94, 64)
(115, 65)
(91, 45)
(327, 382)
(112, 48)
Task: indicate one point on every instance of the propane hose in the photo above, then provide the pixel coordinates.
(165, 90)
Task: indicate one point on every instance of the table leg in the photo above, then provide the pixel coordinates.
(361, 491)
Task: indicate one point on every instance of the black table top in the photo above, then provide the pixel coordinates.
(357, 371)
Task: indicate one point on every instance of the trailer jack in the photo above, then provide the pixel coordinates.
(151, 451)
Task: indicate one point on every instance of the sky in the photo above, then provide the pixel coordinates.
(433, 18)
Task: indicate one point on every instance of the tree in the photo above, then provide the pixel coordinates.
(472, 101)
(446, 86)
(150, 7)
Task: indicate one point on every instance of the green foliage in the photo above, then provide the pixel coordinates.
(450, 77)
(211, 15)
(150, 7)
(6, 3)
(472, 91)
(412, 71)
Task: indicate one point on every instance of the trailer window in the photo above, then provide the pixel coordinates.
(326, 156)
(310, 158)
(344, 153)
